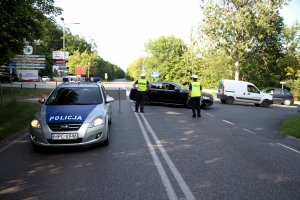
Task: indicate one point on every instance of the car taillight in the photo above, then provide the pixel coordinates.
(222, 89)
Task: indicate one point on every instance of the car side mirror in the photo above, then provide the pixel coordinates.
(109, 99)
(41, 101)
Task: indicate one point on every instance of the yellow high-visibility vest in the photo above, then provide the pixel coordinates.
(195, 89)
(142, 85)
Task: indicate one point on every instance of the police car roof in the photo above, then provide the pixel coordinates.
(80, 84)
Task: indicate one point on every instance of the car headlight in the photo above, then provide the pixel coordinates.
(97, 121)
(35, 123)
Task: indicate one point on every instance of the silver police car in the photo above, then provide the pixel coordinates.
(74, 114)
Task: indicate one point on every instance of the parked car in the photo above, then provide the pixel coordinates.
(280, 95)
(230, 91)
(45, 78)
(74, 114)
(170, 93)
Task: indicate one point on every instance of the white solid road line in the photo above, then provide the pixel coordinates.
(184, 187)
(163, 175)
(289, 148)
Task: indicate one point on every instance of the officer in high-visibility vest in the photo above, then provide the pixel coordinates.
(142, 88)
(195, 95)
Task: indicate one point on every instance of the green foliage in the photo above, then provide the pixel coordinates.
(22, 19)
(95, 65)
(247, 31)
(291, 126)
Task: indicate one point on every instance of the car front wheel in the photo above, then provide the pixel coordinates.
(266, 103)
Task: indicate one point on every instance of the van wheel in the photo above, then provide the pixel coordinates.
(266, 103)
(287, 102)
(229, 100)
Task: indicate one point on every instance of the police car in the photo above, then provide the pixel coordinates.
(74, 114)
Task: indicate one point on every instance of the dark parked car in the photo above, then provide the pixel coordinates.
(170, 93)
(280, 96)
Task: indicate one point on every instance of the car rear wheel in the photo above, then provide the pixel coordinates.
(229, 100)
(287, 102)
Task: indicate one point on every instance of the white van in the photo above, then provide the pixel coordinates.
(230, 91)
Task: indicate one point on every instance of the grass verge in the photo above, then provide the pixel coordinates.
(16, 110)
(291, 127)
(15, 116)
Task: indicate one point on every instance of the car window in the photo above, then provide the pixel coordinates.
(156, 85)
(75, 96)
(279, 91)
(170, 87)
(252, 89)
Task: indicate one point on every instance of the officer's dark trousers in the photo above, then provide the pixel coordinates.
(140, 98)
(195, 103)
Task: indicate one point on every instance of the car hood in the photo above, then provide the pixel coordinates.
(70, 113)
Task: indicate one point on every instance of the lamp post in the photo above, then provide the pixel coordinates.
(89, 69)
(64, 31)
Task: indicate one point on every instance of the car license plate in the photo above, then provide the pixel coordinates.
(64, 136)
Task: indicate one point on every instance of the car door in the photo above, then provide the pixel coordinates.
(278, 95)
(155, 92)
(172, 94)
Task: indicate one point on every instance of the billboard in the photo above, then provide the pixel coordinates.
(29, 61)
(28, 75)
(60, 55)
(80, 70)
(60, 71)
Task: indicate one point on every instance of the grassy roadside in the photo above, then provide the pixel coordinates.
(291, 126)
(16, 111)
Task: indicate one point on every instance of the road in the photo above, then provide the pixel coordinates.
(232, 152)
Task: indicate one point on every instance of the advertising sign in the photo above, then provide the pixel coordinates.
(29, 61)
(60, 71)
(60, 55)
(28, 75)
(80, 70)
(155, 74)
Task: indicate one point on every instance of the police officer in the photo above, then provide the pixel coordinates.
(142, 88)
(195, 95)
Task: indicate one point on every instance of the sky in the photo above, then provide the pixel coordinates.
(120, 28)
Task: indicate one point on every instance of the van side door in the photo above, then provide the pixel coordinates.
(253, 94)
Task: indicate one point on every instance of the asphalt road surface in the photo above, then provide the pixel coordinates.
(232, 152)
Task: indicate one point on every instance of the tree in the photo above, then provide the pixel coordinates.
(243, 26)
(166, 53)
(22, 19)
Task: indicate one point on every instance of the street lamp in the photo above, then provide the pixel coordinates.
(64, 31)
(89, 69)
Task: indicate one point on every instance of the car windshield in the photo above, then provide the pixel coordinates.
(75, 96)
